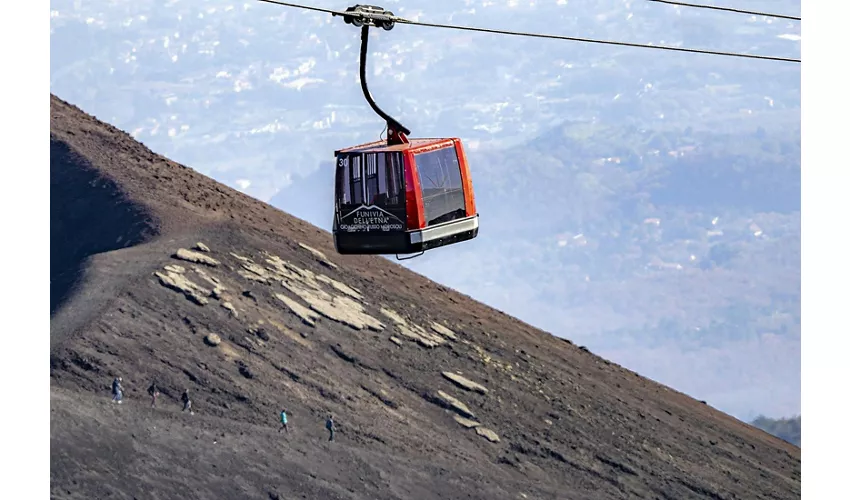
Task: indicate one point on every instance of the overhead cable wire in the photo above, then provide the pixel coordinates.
(305, 7)
(401, 20)
(592, 40)
(726, 9)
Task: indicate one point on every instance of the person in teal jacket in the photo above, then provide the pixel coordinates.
(283, 421)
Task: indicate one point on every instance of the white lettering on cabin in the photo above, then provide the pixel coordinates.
(364, 220)
(370, 227)
(371, 217)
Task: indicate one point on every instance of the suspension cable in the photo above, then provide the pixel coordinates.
(726, 9)
(401, 20)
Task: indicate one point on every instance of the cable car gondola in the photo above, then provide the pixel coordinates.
(399, 195)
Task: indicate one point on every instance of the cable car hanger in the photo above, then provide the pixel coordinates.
(365, 15)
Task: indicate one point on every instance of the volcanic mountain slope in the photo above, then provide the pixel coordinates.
(158, 272)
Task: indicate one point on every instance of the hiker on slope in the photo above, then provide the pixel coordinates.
(283, 421)
(187, 402)
(117, 390)
(329, 425)
(153, 391)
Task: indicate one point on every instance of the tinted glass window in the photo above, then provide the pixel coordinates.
(392, 181)
(343, 193)
(377, 178)
(356, 181)
(372, 186)
(442, 190)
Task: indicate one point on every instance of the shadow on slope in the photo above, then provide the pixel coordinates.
(89, 214)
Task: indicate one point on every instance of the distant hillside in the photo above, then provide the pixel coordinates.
(783, 428)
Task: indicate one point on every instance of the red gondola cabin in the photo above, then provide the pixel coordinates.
(403, 198)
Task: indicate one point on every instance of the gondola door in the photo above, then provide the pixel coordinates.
(371, 216)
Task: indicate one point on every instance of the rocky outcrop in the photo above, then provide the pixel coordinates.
(487, 434)
(465, 422)
(239, 257)
(320, 256)
(197, 258)
(442, 330)
(309, 287)
(255, 272)
(307, 316)
(218, 287)
(465, 383)
(178, 282)
(411, 331)
(340, 286)
(230, 308)
(337, 308)
(450, 402)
